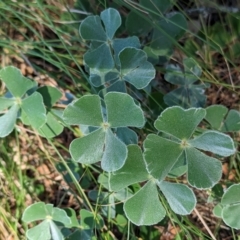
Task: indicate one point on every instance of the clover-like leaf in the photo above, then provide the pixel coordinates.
(92, 29)
(166, 34)
(144, 208)
(180, 197)
(133, 171)
(15, 82)
(41, 211)
(162, 153)
(31, 101)
(231, 206)
(103, 144)
(219, 119)
(188, 94)
(48, 213)
(7, 121)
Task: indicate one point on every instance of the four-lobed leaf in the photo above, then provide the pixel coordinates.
(114, 61)
(166, 28)
(178, 125)
(188, 94)
(28, 104)
(144, 207)
(49, 215)
(100, 31)
(102, 144)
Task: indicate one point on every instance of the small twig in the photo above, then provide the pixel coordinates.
(204, 224)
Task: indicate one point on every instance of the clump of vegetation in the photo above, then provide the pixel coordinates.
(132, 151)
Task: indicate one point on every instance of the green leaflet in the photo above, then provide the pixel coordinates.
(133, 171)
(47, 229)
(113, 61)
(231, 206)
(207, 142)
(86, 111)
(144, 208)
(178, 122)
(115, 153)
(7, 121)
(51, 128)
(119, 105)
(200, 169)
(219, 119)
(102, 144)
(34, 110)
(6, 103)
(160, 155)
(165, 34)
(50, 95)
(88, 149)
(16, 83)
(112, 21)
(180, 197)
